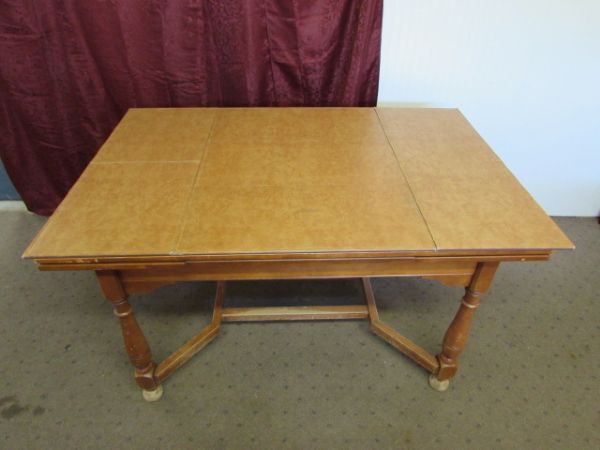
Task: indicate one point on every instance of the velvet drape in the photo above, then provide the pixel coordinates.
(70, 69)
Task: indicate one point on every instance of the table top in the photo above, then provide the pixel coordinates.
(242, 182)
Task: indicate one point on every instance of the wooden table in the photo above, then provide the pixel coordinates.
(283, 193)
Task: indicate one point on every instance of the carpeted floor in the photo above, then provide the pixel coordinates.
(529, 376)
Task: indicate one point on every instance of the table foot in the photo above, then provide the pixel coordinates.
(153, 396)
(438, 385)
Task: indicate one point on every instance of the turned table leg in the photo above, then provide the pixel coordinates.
(135, 342)
(458, 331)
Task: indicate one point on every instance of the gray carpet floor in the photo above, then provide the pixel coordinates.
(528, 380)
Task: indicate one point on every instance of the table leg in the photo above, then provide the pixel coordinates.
(458, 331)
(135, 342)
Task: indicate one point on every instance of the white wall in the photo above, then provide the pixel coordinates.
(526, 73)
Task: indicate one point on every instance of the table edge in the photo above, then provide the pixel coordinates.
(111, 263)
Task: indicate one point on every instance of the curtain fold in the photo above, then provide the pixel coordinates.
(70, 69)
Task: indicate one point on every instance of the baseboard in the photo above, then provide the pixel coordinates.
(12, 205)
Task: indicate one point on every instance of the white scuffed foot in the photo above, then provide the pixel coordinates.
(437, 384)
(153, 396)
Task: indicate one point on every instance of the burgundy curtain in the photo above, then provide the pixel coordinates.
(70, 69)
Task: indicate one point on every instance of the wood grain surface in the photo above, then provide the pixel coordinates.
(468, 197)
(198, 181)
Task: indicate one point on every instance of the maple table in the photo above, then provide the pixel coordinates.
(180, 194)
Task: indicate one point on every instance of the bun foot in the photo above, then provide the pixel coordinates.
(438, 385)
(153, 396)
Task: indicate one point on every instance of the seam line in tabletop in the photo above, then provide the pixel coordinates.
(196, 177)
(412, 193)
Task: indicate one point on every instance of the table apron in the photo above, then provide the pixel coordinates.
(451, 271)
